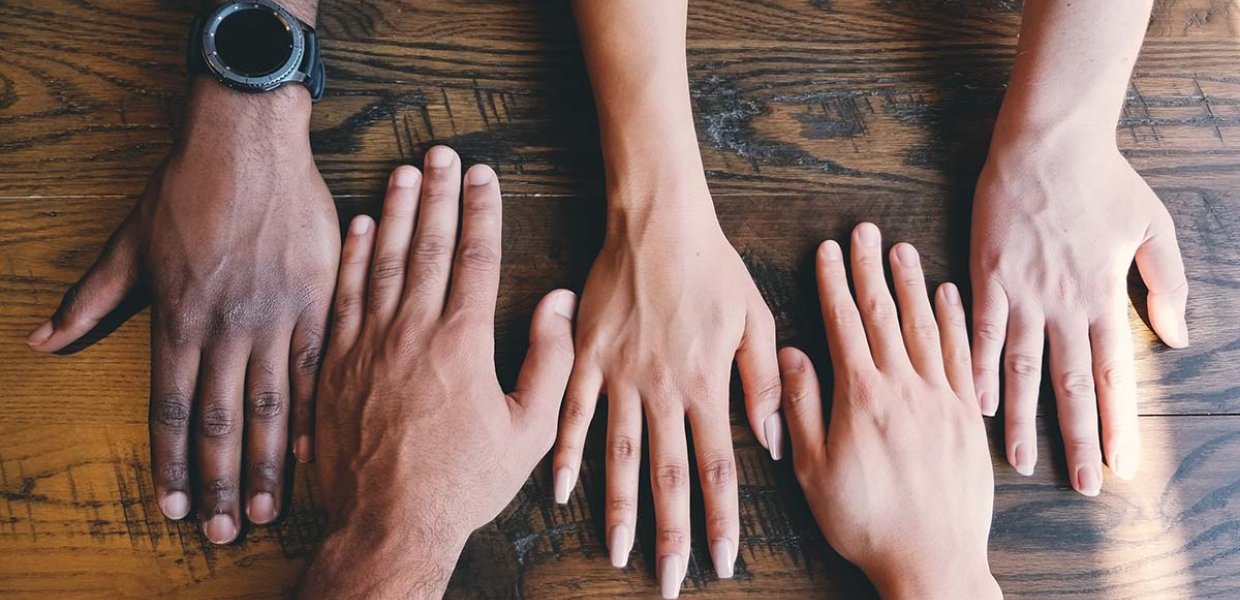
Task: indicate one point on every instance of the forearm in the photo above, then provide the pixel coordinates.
(1073, 62)
(368, 559)
(635, 55)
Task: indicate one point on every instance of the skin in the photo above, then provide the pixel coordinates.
(900, 481)
(418, 445)
(235, 243)
(1058, 219)
(668, 305)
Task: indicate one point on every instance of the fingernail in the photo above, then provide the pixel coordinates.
(563, 484)
(669, 576)
(774, 430)
(951, 294)
(986, 401)
(1122, 469)
(439, 157)
(565, 303)
(220, 529)
(302, 449)
(1088, 480)
(175, 505)
(480, 175)
(262, 508)
(360, 225)
(1022, 458)
(41, 334)
(831, 251)
(621, 544)
(907, 255)
(405, 177)
(867, 234)
(1182, 330)
(721, 552)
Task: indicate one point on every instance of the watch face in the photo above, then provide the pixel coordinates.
(253, 41)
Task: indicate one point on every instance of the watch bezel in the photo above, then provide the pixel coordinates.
(285, 73)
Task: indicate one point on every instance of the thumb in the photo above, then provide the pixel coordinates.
(1162, 269)
(96, 294)
(544, 374)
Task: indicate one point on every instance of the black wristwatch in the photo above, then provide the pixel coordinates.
(256, 46)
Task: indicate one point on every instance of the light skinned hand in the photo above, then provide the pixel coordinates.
(1055, 232)
(236, 242)
(418, 445)
(901, 481)
(666, 309)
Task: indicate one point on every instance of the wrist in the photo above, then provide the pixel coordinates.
(1035, 122)
(946, 579)
(369, 556)
(217, 114)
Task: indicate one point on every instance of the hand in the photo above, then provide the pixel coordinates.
(666, 307)
(1055, 231)
(417, 444)
(901, 485)
(236, 242)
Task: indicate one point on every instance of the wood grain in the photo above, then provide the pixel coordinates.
(812, 115)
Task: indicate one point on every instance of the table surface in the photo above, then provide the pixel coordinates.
(812, 115)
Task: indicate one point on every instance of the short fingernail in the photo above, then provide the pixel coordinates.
(41, 334)
(951, 294)
(774, 430)
(907, 255)
(1122, 468)
(721, 552)
(302, 449)
(867, 234)
(262, 508)
(565, 304)
(439, 157)
(480, 175)
(563, 484)
(986, 401)
(1182, 330)
(621, 544)
(1023, 459)
(175, 505)
(360, 226)
(1088, 480)
(831, 250)
(670, 575)
(220, 529)
(405, 177)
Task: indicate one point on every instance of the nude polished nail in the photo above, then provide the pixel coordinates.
(724, 555)
(670, 576)
(774, 430)
(563, 484)
(621, 543)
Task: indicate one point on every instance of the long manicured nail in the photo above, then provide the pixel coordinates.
(261, 509)
(907, 255)
(565, 304)
(479, 175)
(1088, 480)
(986, 401)
(670, 575)
(1022, 459)
(439, 157)
(220, 529)
(1123, 469)
(302, 449)
(563, 484)
(722, 553)
(175, 505)
(621, 543)
(41, 334)
(867, 234)
(774, 430)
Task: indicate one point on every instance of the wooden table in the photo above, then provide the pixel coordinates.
(812, 115)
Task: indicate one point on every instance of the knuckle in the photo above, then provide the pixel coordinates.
(477, 255)
(622, 449)
(431, 246)
(923, 329)
(1077, 386)
(173, 473)
(309, 352)
(671, 477)
(387, 268)
(220, 490)
(217, 422)
(171, 411)
(267, 406)
(721, 524)
(719, 472)
(673, 536)
(266, 472)
(348, 307)
(769, 391)
(842, 314)
(879, 308)
(576, 411)
(1113, 376)
(621, 505)
(1024, 365)
(988, 331)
